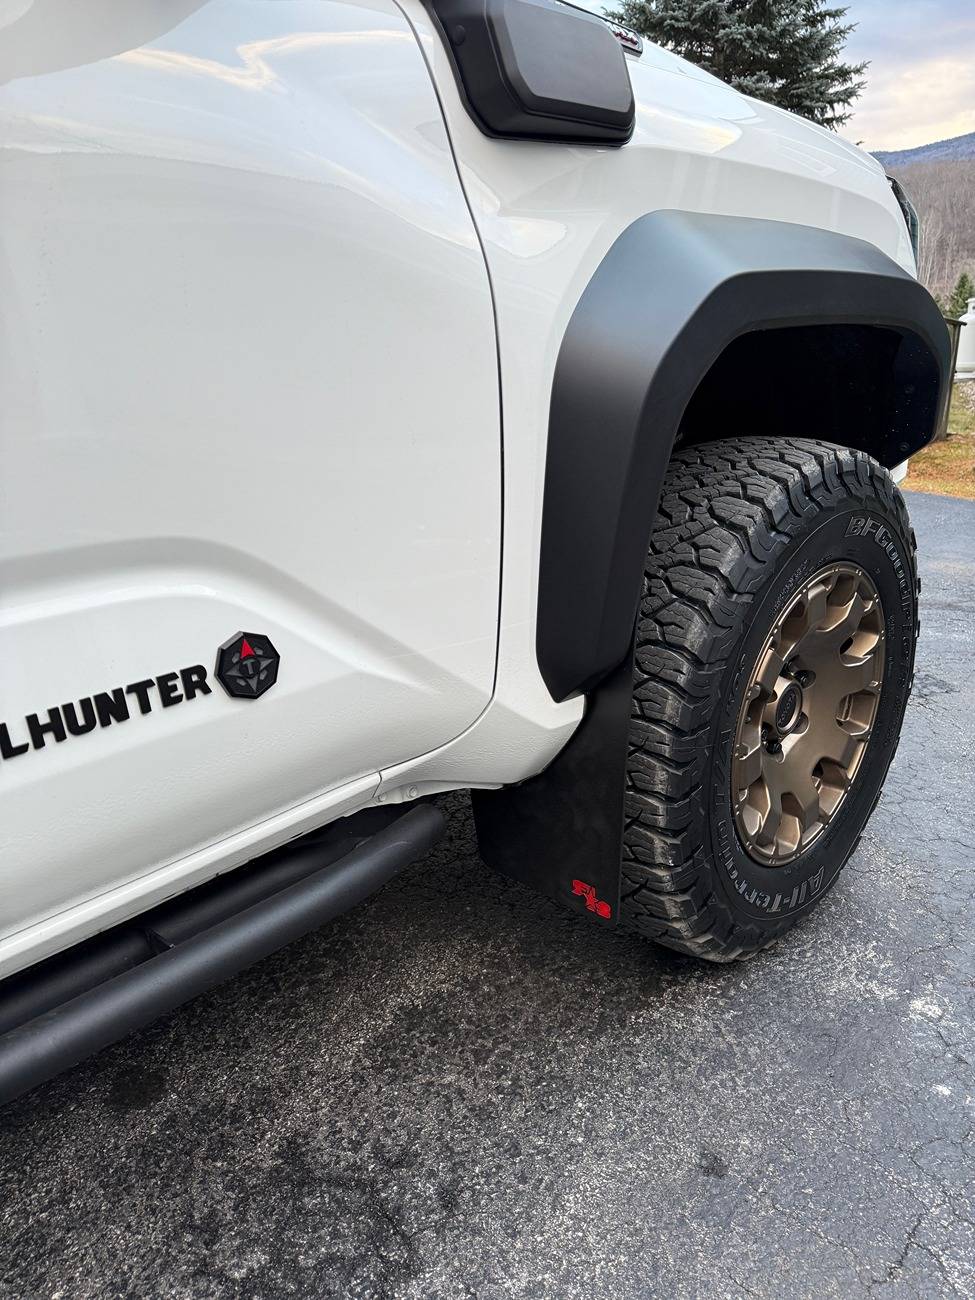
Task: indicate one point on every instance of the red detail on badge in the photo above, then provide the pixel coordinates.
(593, 904)
(246, 650)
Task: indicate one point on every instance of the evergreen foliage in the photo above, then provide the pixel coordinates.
(963, 291)
(787, 52)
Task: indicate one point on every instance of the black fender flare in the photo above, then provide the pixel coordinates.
(672, 293)
(674, 290)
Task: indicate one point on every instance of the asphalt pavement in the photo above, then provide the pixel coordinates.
(459, 1090)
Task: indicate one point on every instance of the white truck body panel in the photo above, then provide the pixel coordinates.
(211, 246)
(242, 215)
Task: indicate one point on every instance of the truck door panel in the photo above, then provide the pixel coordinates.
(248, 382)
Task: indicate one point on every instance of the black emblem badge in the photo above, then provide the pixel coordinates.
(247, 665)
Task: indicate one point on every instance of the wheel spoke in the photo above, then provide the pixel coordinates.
(858, 674)
(816, 609)
(799, 792)
(749, 767)
(840, 747)
(837, 680)
(816, 604)
(769, 829)
(805, 793)
(769, 672)
(838, 631)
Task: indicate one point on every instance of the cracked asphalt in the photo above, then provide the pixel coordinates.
(459, 1090)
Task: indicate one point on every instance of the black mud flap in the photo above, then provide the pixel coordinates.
(562, 831)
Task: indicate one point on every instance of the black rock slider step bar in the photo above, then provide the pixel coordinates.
(67, 1008)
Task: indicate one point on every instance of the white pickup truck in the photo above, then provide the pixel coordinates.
(399, 396)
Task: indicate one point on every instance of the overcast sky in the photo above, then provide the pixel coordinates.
(921, 79)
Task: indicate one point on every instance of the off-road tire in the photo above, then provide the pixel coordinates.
(741, 524)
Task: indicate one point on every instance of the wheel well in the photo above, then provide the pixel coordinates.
(796, 331)
(861, 386)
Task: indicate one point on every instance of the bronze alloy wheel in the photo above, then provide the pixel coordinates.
(808, 714)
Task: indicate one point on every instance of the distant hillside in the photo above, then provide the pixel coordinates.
(960, 148)
(940, 178)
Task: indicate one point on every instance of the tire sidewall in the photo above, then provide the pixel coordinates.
(872, 537)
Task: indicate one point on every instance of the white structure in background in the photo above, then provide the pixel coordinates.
(965, 366)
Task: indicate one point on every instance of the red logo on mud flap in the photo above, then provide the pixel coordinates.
(593, 904)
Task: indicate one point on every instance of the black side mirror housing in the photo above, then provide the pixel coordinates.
(538, 70)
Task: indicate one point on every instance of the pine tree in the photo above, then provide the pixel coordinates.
(787, 52)
(963, 291)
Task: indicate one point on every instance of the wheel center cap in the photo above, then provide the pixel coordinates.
(788, 710)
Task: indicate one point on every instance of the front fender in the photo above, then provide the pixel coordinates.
(673, 292)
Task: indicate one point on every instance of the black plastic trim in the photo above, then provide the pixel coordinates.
(911, 218)
(671, 294)
(538, 70)
(133, 994)
(566, 824)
